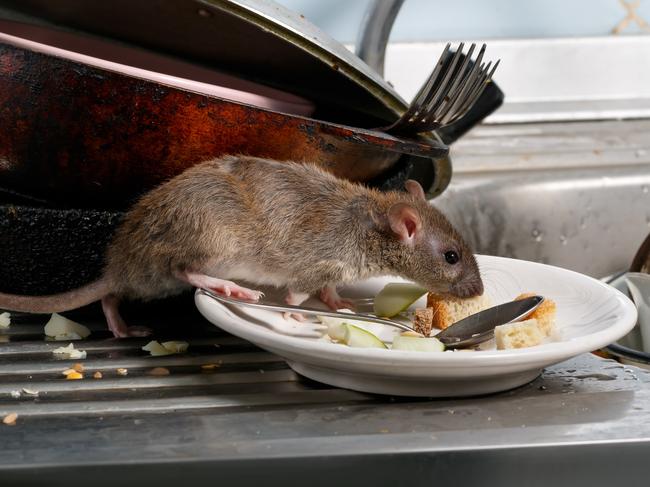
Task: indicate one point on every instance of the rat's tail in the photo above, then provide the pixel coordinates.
(56, 303)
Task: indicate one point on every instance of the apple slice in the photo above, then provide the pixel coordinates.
(61, 328)
(418, 344)
(396, 297)
(336, 326)
(360, 338)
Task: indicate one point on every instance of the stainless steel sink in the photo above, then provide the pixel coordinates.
(576, 195)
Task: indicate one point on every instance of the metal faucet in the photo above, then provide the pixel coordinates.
(375, 30)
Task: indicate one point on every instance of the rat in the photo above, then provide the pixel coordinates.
(283, 224)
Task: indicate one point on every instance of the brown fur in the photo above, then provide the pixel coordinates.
(297, 225)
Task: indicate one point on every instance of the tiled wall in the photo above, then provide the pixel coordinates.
(431, 20)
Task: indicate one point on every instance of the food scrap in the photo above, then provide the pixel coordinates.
(69, 352)
(210, 366)
(5, 320)
(122, 371)
(176, 346)
(544, 314)
(158, 371)
(157, 349)
(441, 312)
(10, 419)
(447, 310)
(396, 297)
(97, 375)
(423, 321)
(73, 375)
(61, 328)
(30, 392)
(519, 334)
(78, 367)
(417, 344)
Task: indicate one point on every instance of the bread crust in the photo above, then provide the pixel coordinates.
(544, 314)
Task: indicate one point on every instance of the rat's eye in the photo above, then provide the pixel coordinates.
(451, 256)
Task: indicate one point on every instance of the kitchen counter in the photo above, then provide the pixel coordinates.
(251, 421)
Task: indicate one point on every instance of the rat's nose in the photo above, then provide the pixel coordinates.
(468, 289)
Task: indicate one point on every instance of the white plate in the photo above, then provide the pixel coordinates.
(590, 315)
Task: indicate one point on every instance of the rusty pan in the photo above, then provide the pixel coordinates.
(80, 133)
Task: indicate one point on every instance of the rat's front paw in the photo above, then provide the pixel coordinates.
(220, 286)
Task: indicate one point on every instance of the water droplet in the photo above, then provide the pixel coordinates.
(640, 152)
(537, 235)
(563, 240)
(583, 224)
(644, 188)
(647, 220)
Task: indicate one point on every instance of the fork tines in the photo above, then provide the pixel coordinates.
(450, 91)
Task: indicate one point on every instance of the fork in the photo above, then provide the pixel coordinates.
(450, 91)
(306, 310)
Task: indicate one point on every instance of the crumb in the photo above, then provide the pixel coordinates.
(97, 375)
(78, 367)
(423, 321)
(30, 392)
(176, 346)
(5, 320)
(210, 366)
(74, 375)
(10, 419)
(158, 371)
(122, 371)
(69, 352)
(15, 394)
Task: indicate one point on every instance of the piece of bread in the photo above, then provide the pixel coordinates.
(423, 321)
(447, 310)
(519, 334)
(544, 314)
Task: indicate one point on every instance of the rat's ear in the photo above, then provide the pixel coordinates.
(414, 188)
(405, 222)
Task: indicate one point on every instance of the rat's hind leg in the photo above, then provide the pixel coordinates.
(331, 298)
(219, 286)
(110, 305)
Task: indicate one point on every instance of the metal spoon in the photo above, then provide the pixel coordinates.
(470, 331)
